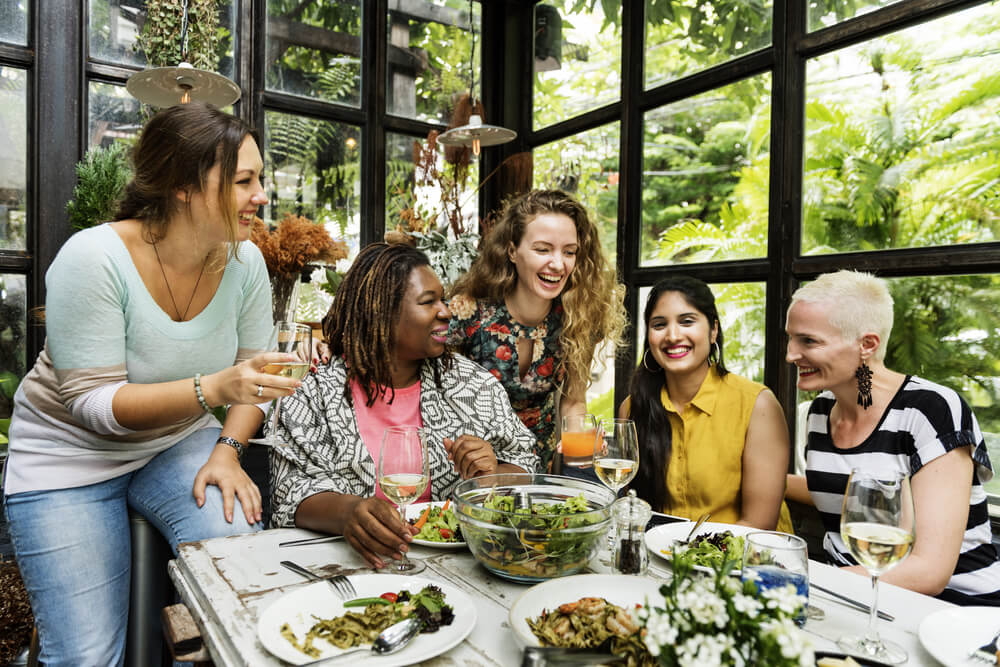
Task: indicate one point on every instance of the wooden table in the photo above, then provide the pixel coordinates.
(228, 582)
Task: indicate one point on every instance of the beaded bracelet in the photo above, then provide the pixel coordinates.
(232, 442)
(201, 397)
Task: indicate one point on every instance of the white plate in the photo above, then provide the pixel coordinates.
(662, 537)
(620, 589)
(414, 511)
(299, 607)
(951, 634)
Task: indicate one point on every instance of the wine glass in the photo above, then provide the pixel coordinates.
(403, 475)
(877, 524)
(772, 559)
(616, 453)
(579, 434)
(290, 338)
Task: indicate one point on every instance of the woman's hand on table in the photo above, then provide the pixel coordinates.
(472, 456)
(374, 529)
(240, 384)
(224, 471)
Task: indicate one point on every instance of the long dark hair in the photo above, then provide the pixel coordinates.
(361, 323)
(651, 422)
(176, 150)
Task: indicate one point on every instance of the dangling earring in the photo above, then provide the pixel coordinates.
(646, 366)
(864, 377)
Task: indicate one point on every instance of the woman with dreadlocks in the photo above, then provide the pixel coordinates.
(389, 367)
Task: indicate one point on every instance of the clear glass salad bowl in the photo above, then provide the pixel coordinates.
(531, 527)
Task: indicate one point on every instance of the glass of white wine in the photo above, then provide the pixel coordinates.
(877, 525)
(290, 338)
(616, 453)
(403, 475)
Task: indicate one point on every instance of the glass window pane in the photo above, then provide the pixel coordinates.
(823, 13)
(584, 72)
(437, 199)
(115, 25)
(428, 60)
(312, 168)
(13, 157)
(741, 311)
(686, 37)
(705, 176)
(112, 114)
(14, 21)
(314, 49)
(903, 138)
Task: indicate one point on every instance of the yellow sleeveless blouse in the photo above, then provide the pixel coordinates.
(706, 459)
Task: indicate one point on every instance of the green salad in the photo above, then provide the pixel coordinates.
(437, 524)
(711, 549)
(544, 540)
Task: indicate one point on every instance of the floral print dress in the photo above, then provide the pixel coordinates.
(487, 333)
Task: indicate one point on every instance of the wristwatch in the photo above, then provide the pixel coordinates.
(232, 442)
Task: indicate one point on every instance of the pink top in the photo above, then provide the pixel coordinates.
(372, 422)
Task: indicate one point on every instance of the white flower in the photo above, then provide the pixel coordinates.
(702, 651)
(785, 598)
(793, 642)
(659, 632)
(747, 605)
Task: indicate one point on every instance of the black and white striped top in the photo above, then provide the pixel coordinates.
(924, 420)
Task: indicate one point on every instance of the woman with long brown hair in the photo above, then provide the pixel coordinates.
(538, 300)
(151, 321)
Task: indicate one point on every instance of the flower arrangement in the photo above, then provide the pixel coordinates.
(289, 251)
(718, 619)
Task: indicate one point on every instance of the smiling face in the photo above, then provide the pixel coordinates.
(423, 318)
(817, 348)
(247, 195)
(680, 336)
(546, 255)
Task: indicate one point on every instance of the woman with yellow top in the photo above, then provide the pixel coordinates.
(710, 441)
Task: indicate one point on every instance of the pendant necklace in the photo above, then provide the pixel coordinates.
(180, 316)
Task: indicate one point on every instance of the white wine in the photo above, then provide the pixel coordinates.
(287, 369)
(403, 488)
(878, 547)
(615, 473)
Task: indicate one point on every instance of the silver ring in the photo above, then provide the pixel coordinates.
(260, 390)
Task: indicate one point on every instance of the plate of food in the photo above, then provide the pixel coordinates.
(584, 611)
(312, 622)
(438, 525)
(708, 547)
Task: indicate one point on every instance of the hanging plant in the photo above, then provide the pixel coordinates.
(160, 37)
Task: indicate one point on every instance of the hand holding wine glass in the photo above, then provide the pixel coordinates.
(290, 338)
(877, 525)
(403, 475)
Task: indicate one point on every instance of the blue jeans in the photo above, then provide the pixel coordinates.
(74, 553)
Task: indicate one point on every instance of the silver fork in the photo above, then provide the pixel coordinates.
(987, 653)
(341, 584)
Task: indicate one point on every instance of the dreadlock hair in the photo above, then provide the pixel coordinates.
(361, 324)
(651, 422)
(592, 301)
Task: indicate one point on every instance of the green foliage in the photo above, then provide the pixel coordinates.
(101, 179)
(603, 407)
(160, 37)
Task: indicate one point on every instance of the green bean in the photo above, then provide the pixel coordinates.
(364, 602)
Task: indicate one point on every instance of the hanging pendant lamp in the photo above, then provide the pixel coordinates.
(167, 86)
(475, 133)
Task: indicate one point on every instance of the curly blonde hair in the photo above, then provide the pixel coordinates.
(593, 301)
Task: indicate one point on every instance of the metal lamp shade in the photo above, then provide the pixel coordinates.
(167, 86)
(476, 134)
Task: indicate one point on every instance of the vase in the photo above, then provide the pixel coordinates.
(284, 297)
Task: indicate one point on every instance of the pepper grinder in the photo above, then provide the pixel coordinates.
(628, 553)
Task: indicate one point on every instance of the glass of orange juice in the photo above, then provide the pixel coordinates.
(579, 435)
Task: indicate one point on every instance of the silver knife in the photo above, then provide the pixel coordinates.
(860, 606)
(540, 656)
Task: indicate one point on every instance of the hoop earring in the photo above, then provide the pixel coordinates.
(715, 353)
(646, 366)
(864, 377)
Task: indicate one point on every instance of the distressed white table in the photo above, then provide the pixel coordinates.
(228, 582)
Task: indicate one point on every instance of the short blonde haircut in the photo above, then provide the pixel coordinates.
(858, 303)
